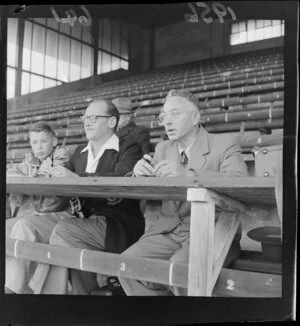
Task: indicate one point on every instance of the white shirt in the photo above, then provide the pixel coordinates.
(92, 162)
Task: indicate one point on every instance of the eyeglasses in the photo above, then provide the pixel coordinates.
(93, 118)
(171, 115)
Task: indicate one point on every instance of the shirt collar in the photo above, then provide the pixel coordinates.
(186, 150)
(112, 143)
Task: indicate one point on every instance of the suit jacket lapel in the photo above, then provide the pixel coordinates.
(82, 161)
(198, 151)
(106, 160)
(173, 155)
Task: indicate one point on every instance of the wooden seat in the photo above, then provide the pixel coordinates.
(254, 261)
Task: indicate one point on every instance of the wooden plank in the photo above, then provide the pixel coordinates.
(152, 270)
(201, 247)
(230, 282)
(254, 261)
(221, 201)
(225, 231)
(248, 284)
(248, 190)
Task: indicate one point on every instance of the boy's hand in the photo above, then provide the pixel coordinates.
(45, 167)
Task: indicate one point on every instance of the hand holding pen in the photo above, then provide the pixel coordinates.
(144, 167)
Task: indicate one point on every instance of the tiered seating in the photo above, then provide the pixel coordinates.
(240, 92)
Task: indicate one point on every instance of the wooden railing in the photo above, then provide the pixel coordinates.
(209, 242)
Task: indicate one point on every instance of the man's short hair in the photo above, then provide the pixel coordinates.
(42, 126)
(185, 94)
(111, 109)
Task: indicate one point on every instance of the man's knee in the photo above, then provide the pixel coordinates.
(61, 234)
(181, 255)
(23, 229)
(131, 251)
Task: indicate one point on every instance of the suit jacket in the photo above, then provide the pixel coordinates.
(211, 155)
(135, 133)
(125, 223)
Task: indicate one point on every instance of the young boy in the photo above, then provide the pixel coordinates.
(31, 224)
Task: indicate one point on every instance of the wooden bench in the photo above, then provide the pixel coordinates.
(209, 242)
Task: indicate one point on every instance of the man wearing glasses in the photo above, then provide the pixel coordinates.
(100, 224)
(190, 152)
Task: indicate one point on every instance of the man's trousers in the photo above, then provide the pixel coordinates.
(173, 246)
(76, 233)
(34, 227)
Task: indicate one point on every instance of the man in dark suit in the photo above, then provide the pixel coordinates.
(102, 224)
(190, 152)
(127, 127)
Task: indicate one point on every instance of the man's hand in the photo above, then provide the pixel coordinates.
(45, 167)
(142, 167)
(168, 168)
(61, 172)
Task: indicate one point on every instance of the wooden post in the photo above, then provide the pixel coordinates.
(202, 273)
(201, 242)
(225, 230)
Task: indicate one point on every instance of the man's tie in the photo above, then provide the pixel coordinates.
(184, 159)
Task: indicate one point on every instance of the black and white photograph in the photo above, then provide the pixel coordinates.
(148, 150)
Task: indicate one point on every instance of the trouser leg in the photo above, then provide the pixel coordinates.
(35, 228)
(165, 247)
(156, 246)
(78, 233)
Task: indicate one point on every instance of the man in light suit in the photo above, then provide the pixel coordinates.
(190, 152)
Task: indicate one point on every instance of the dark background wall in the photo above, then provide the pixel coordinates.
(186, 42)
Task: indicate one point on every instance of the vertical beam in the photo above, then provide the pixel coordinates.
(201, 242)
(131, 65)
(20, 41)
(95, 35)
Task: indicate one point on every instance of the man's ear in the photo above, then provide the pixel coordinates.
(196, 118)
(54, 141)
(112, 122)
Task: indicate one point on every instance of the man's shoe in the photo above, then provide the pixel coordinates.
(113, 287)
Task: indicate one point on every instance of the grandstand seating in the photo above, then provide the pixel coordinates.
(242, 90)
